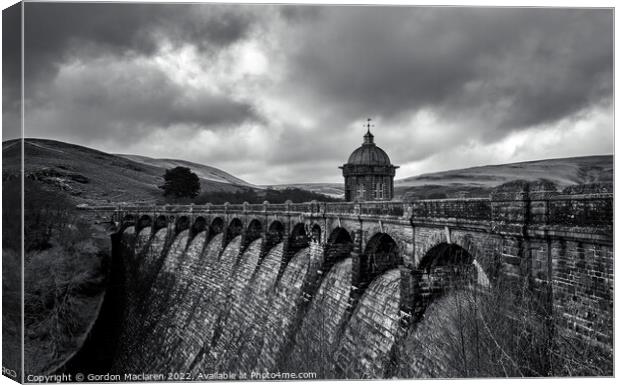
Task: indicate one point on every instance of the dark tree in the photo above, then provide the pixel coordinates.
(180, 182)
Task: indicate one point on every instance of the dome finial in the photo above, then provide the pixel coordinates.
(368, 138)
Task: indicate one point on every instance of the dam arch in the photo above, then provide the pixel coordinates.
(299, 238)
(275, 233)
(160, 222)
(462, 249)
(380, 254)
(444, 268)
(338, 246)
(143, 222)
(199, 225)
(340, 235)
(445, 254)
(127, 221)
(253, 231)
(234, 229)
(182, 223)
(216, 226)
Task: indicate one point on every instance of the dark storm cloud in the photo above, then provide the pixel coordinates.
(111, 93)
(513, 68)
(56, 31)
(126, 101)
(289, 86)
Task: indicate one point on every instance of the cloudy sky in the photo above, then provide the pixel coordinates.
(278, 94)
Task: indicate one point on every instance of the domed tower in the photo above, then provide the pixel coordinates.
(369, 174)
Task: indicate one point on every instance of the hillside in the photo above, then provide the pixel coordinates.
(563, 172)
(478, 181)
(334, 190)
(91, 176)
(203, 171)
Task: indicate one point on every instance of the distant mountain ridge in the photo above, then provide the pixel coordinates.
(478, 181)
(562, 171)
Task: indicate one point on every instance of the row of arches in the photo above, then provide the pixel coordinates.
(381, 250)
(445, 263)
(274, 234)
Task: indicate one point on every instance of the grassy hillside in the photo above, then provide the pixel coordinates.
(90, 176)
(479, 181)
(203, 171)
(334, 190)
(563, 172)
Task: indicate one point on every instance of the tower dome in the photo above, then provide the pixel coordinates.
(369, 153)
(369, 174)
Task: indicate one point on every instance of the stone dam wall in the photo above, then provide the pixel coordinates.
(390, 293)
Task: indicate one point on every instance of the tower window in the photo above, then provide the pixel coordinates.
(361, 191)
(378, 193)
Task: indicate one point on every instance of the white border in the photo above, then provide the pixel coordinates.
(479, 3)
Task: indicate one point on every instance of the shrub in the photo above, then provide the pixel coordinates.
(505, 331)
(63, 278)
(11, 309)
